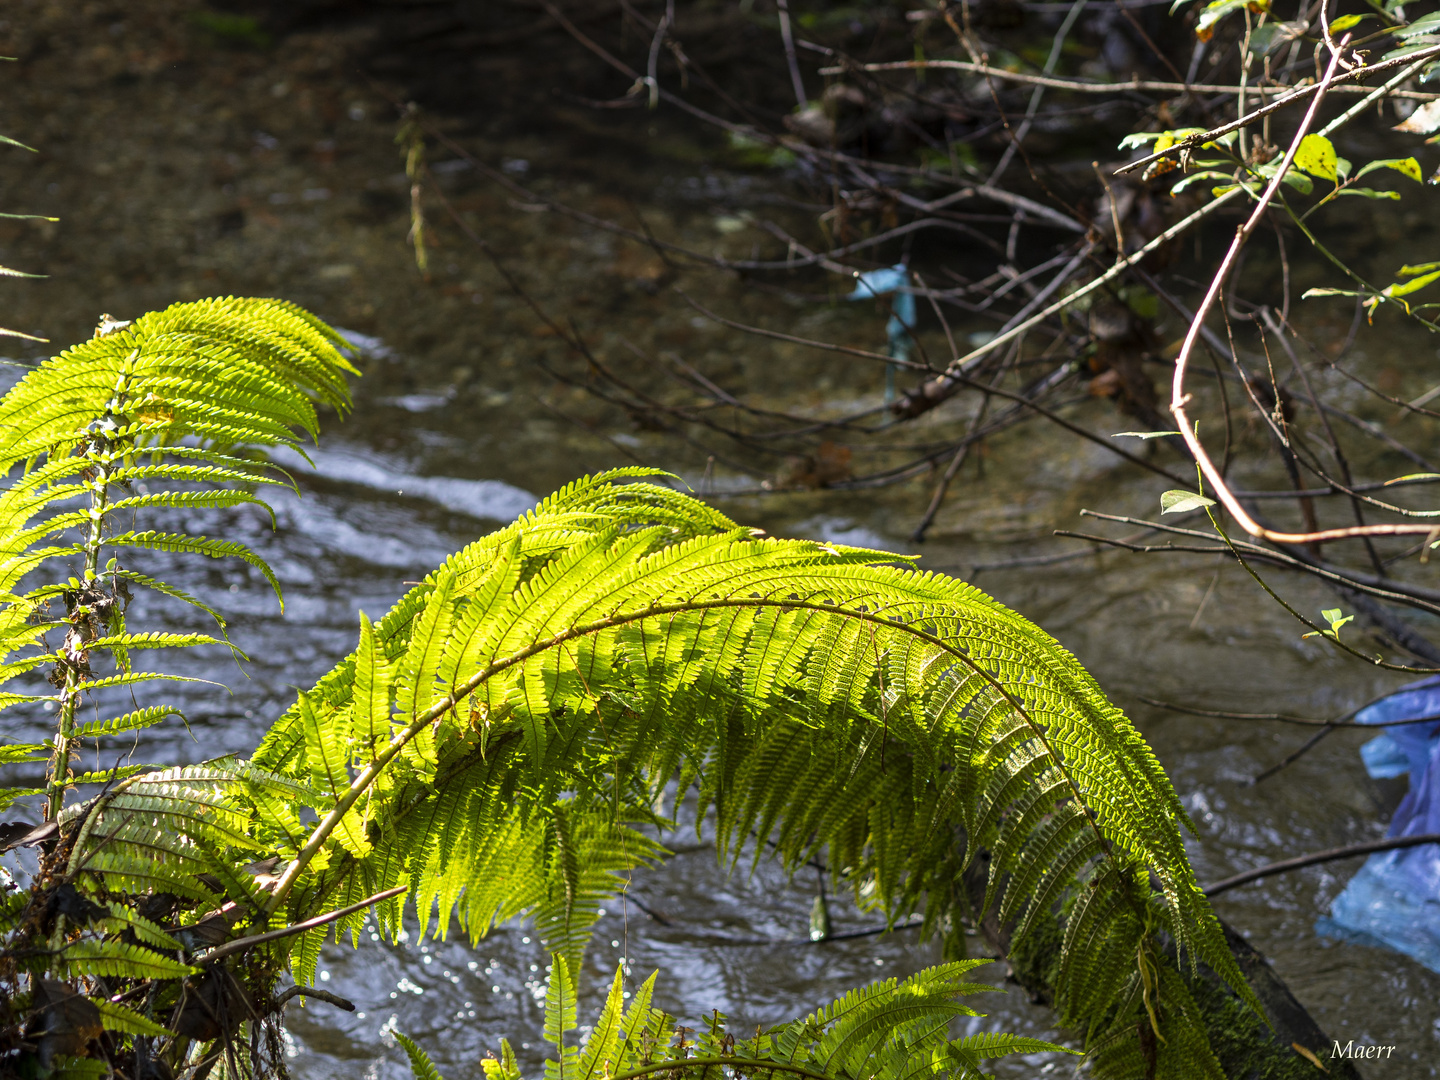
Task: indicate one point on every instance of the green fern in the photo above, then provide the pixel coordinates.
(499, 739)
(524, 669)
(103, 420)
(891, 1030)
(170, 412)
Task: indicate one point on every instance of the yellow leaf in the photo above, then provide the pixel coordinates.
(1317, 157)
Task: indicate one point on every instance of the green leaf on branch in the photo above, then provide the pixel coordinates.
(1406, 288)
(1371, 193)
(1404, 166)
(1299, 181)
(1336, 619)
(1317, 157)
(1218, 9)
(1426, 24)
(1195, 178)
(1138, 139)
(1179, 501)
(1345, 22)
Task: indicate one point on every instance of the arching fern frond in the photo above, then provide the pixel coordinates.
(548, 682)
(499, 739)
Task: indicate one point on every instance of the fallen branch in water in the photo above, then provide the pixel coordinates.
(1315, 858)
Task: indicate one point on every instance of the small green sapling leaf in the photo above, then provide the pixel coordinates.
(1336, 619)
(1179, 501)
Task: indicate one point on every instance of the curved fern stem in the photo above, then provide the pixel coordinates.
(367, 777)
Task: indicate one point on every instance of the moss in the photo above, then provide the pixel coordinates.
(1246, 1047)
(1244, 1044)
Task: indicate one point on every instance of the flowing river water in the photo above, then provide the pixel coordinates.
(182, 169)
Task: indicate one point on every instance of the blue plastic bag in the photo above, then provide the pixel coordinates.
(1394, 901)
(891, 280)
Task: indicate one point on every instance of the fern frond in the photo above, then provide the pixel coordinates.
(120, 1018)
(498, 738)
(251, 362)
(131, 721)
(603, 1044)
(503, 1068)
(421, 1067)
(116, 959)
(560, 1020)
(148, 933)
(825, 698)
(197, 545)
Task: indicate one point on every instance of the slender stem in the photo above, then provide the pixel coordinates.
(1055, 48)
(1180, 398)
(1349, 852)
(240, 944)
(1081, 86)
(788, 39)
(1285, 718)
(1246, 56)
(99, 485)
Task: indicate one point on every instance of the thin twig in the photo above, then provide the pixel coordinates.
(1083, 86)
(1349, 852)
(1344, 721)
(241, 944)
(788, 39)
(960, 364)
(1294, 755)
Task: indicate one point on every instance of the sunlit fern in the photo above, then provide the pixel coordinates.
(493, 733)
(891, 1030)
(498, 739)
(161, 402)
